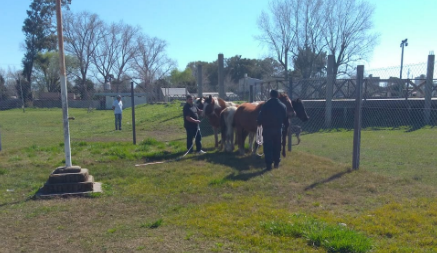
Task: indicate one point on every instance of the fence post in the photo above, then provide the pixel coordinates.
(357, 123)
(428, 88)
(221, 77)
(134, 134)
(199, 81)
(290, 95)
(329, 90)
(251, 93)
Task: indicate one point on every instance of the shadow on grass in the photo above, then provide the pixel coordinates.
(244, 165)
(327, 180)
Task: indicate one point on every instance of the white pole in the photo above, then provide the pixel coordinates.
(64, 97)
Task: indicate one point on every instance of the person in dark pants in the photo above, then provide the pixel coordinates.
(191, 124)
(272, 117)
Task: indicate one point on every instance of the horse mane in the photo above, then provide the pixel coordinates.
(221, 103)
(283, 95)
(259, 105)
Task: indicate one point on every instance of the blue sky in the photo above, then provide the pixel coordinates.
(201, 29)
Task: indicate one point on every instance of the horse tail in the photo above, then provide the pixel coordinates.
(284, 139)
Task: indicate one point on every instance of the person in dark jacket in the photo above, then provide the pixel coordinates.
(191, 124)
(272, 117)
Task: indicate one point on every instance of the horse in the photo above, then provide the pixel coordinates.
(247, 113)
(211, 108)
(227, 128)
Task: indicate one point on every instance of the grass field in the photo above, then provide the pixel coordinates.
(217, 202)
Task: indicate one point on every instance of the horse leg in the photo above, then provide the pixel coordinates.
(216, 137)
(240, 141)
(253, 144)
(243, 140)
(231, 140)
(251, 137)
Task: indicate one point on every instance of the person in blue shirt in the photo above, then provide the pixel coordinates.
(117, 107)
(191, 124)
(272, 117)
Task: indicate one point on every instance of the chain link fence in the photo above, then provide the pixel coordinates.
(389, 105)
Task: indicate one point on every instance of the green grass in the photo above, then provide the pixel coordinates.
(217, 202)
(411, 155)
(334, 238)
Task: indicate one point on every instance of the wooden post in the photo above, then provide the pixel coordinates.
(329, 90)
(221, 77)
(428, 88)
(357, 124)
(199, 81)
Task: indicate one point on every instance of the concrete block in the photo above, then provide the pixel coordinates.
(82, 176)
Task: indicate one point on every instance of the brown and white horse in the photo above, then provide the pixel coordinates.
(247, 113)
(212, 108)
(227, 128)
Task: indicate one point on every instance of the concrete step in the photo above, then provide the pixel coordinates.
(71, 187)
(71, 169)
(76, 177)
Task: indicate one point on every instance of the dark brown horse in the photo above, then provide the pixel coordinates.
(212, 108)
(247, 113)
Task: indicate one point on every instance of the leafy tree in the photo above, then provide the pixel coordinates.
(260, 69)
(3, 90)
(183, 79)
(39, 35)
(47, 73)
(83, 88)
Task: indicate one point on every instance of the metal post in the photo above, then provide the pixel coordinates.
(221, 77)
(290, 95)
(251, 93)
(199, 81)
(64, 97)
(403, 43)
(428, 88)
(134, 135)
(357, 124)
(329, 90)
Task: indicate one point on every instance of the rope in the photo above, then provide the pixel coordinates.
(176, 159)
(259, 135)
(259, 138)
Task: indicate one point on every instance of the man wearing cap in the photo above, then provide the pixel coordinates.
(117, 107)
(272, 117)
(191, 124)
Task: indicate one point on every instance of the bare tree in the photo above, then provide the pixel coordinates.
(83, 32)
(151, 62)
(278, 30)
(116, 51)
(342, 27)
(348, 32)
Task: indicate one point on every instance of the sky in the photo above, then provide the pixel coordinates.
(199, 30)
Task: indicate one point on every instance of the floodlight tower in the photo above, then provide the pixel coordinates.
(404, 43)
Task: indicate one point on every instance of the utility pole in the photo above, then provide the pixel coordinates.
(404, 43)
(64, 98)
